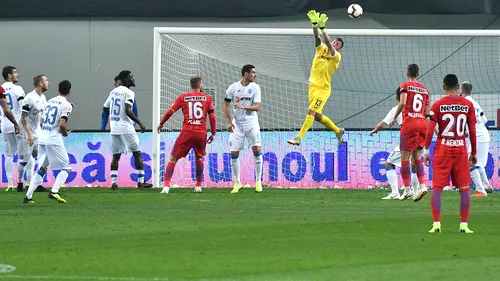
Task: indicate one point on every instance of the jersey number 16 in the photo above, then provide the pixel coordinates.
(195, 110)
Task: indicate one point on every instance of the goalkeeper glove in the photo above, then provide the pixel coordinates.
(314, 17)
(322, 22)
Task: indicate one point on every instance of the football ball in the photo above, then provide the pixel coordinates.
(355, 11)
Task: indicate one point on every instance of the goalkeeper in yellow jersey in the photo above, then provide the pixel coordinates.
(325, 63)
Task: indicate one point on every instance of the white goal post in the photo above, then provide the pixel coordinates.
(373, 65)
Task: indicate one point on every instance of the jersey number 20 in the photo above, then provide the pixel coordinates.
(459, 123)
(195, 110)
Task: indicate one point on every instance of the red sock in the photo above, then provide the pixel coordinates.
(406, 173)
(436, 204)
(168, 173)
(419, 166)
(199, 172)
(464, 204)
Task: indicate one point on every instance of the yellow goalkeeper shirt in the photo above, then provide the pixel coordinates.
(323, 67)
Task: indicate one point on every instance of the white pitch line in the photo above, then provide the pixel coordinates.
(104, 278)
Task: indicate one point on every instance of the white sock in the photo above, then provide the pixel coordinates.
(476, 177)
(235, 167)
(60, 180)
(29, 169)
(21, 167)
(392, 177)
(35, 182)
(484, 177)
(258, 168)
(414, 182)
(9, 170)
(114, 176)
(140, 176)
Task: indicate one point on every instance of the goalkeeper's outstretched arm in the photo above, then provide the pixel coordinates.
(314, 17)
(322, 23)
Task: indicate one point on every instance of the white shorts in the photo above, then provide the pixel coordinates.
(10, 143)
(54, 155)
(24, 151)
(395, 157)
(237, 138)
(482, 153)
(122, 144)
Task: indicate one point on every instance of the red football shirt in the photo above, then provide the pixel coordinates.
(452, 114)
(195, 106)
(416, 100)
(2, 92)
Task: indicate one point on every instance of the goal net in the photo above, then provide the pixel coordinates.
(373, 65)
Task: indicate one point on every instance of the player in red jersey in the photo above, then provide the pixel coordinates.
(414, 103)
(195, 105)
(451, 113)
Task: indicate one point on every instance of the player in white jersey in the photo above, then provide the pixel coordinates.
(51, 149)
(394, 158)
(123, 136)
(14, 94)
(246, 96)
(32, 110)
(477, 172)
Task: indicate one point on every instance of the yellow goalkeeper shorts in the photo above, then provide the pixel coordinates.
(318, 98)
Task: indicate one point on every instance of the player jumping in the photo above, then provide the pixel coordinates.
(32, 110)
(123, 135)
(451, 113)
(51, 149)
(195, 105)
(325, 63)
(394, 158)
(477, 172)
(246, 96)
(13, 95)
(414, 103)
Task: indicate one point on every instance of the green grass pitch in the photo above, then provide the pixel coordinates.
(348, 235)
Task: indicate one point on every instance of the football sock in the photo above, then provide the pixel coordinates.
(60, 180)
(258, 167)
(235, 167)
(325, 120)
(414, 181)
(406, 173)
(169, 173)
(464, 204)
(392, 177)
(20, 171)
(9, 170)
(114, 176)
(436, 204)
(29, 169)
(35, 182)
(476, 177)
(306, 126)
(420, 171)
(140, 176)
(484, 177)
(199, 172)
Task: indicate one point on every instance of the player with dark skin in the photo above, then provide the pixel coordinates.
(128, 82)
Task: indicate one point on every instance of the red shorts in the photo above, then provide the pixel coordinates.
(187, 140)
(412, 137)
(446, 166)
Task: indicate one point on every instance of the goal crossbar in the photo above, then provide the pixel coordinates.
(339, 32)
